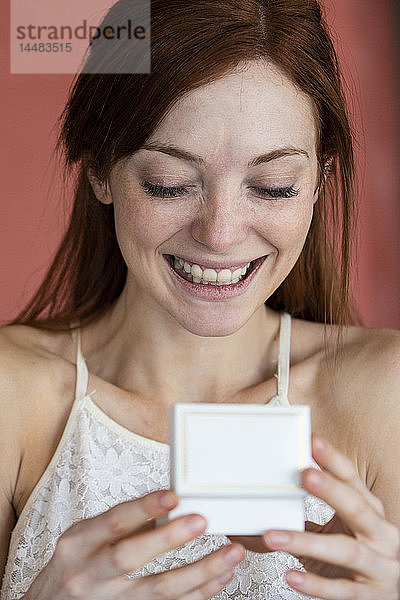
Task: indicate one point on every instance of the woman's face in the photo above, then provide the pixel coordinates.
(227, 178)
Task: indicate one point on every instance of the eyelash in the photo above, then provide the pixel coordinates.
(174, 192)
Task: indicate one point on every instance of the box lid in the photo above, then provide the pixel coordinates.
(239, 450)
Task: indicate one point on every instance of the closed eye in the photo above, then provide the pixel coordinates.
(287, 192)
(173, 192)
(163, 192)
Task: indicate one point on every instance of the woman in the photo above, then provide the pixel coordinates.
(209, 196)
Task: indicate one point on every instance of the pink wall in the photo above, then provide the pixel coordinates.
(368, 47)
(32, 212)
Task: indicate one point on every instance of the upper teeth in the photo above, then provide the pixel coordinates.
(199, 275)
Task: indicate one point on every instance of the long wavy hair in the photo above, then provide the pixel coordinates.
(110, 116)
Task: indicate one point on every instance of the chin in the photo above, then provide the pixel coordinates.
(212, 325)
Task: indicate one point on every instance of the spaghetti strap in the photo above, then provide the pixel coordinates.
(81, 368)
(284, 357)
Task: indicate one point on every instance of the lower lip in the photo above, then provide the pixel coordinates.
(216, 292)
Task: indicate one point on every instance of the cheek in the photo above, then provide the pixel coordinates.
(287, 229)
(142, 222)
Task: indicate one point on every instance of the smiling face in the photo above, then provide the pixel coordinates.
(240, 155)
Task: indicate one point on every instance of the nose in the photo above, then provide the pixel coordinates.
(220, 222)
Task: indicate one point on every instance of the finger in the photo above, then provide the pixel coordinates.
(209, 589)
(131, 553)
(205, 591)
(336, 549)
(116, 523)
(351, 506)
(343, 468)
(329, 589)
(357, 514)
(196, 580)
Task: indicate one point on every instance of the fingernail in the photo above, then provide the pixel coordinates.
(314, 477)
(277, 538)
(195, 523)
(295, 577)
(232, 556)
(168, 500)
(319, 443)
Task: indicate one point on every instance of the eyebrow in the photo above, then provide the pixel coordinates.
(184, 155)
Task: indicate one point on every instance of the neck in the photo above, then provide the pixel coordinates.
(146, 353)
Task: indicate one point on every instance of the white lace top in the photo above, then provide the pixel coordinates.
(99, 463)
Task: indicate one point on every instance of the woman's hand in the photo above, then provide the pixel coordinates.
(93, 556)
(358, 549)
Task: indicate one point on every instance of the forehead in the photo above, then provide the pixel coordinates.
(253, 109)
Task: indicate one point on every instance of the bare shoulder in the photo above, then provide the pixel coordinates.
(366, 353)
(36, 379)
(356, 400)
(32, 362)
(367, 380)
(369, 377)
(359, 407)
(370, 362)
(371, 391)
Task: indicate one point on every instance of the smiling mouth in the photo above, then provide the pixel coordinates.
(223, 277)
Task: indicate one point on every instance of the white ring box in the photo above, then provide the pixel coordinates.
(239, 465)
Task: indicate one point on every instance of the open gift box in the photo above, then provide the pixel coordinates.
(239, 465)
